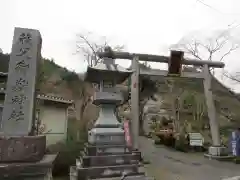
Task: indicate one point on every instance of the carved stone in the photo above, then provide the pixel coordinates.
(19, 104)
(40, 170)
(22, 155)
(22, 149)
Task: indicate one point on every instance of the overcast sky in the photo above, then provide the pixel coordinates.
(143, 26)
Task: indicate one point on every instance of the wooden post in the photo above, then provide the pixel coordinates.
(214, 125)
(135, 102)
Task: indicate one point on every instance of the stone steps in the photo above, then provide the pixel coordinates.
(110, 160)
(92, 164)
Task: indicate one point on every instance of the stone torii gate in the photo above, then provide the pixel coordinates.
(175, 62)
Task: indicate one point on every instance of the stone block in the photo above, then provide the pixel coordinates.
(104, 171)
(40, 170)
(22, 148)
(93, 150)
(74, 175)
(107, 97)
(110, 160)
(217, 151)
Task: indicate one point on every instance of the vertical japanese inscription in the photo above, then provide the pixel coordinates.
(20, 93)
(25, 38)
(17, 113)
(22, 65)
(19, 85)
(21, 68)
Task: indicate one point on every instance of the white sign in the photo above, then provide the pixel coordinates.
(196, 139)
(234, 151)
(196, 142)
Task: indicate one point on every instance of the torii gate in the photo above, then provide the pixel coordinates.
(175, 63)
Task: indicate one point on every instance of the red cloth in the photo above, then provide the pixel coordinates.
(127, 133)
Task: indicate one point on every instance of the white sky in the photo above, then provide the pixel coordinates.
(143, 26)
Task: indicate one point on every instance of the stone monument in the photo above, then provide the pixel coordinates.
(22, 152)
(107, 129)
(106, 154)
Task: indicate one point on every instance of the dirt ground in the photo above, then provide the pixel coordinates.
(168, 164)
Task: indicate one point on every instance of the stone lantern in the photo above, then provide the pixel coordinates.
(107, 155)
(107, 130)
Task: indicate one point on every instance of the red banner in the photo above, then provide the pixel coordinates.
(127, 133)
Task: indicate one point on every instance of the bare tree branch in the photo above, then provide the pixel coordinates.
(235, 77)
(211, 45)
(209, 48)
(233, 48)
(89, 47)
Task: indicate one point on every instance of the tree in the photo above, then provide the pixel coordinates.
(89, 44)
(217, 46)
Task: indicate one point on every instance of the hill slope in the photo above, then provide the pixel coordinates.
(53, 78)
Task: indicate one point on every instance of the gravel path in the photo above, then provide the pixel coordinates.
(167, 164)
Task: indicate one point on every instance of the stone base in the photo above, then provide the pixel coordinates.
(219, 153)
(41, 170)
(94, 150)
(105, 171)
(22, 148)
(93, 164)
(220, 158)
(109, 160)
(75, 175)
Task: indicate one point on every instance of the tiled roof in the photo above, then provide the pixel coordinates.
(3, 74)
(47, 97)
(54, 98)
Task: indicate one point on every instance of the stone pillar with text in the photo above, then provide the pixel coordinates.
(18, 144)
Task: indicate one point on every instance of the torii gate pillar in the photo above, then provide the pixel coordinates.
(135, 102)
(214, 125)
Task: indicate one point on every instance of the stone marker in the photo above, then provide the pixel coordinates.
(22, 152)
(19, 104)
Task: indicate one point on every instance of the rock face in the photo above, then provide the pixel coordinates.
(153, 111)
